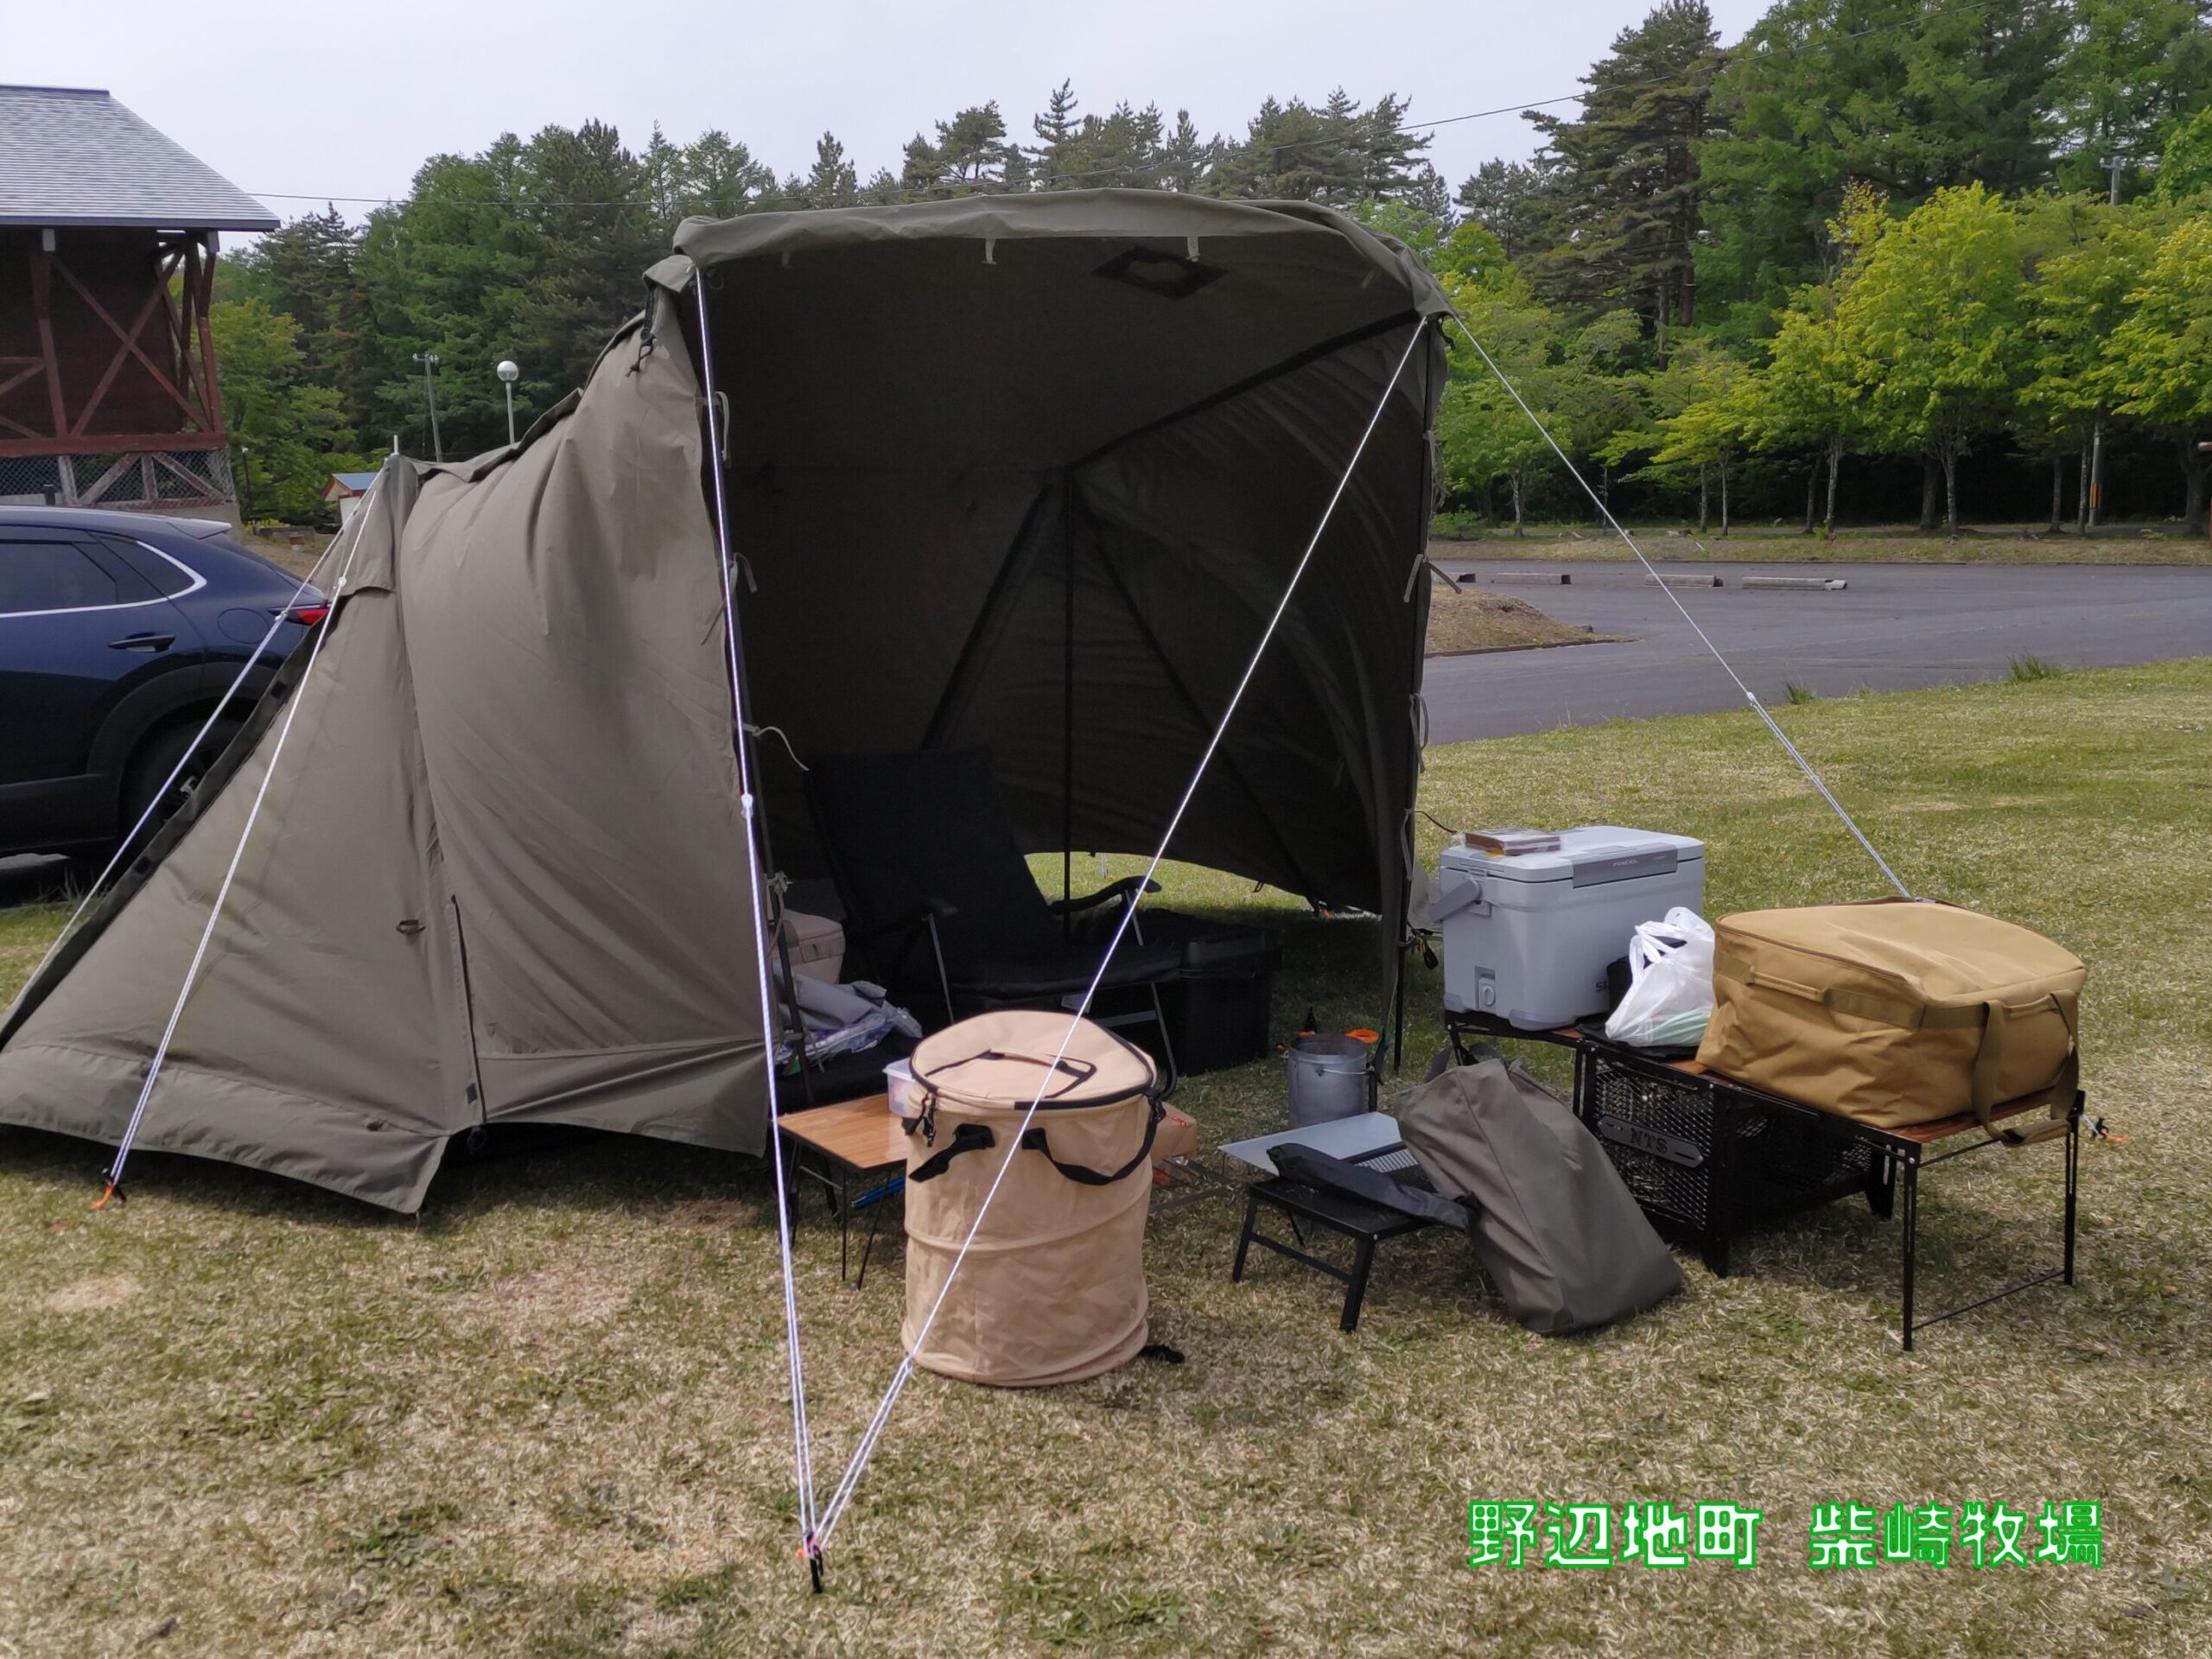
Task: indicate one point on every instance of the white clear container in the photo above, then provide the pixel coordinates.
(1529, 938)
(904, 1094)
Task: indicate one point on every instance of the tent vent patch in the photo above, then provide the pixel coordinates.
(1168, 274)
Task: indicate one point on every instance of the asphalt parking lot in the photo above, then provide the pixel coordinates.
(1893, 628)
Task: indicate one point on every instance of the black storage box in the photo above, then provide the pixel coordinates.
(1218, 1007)
(1707, 1159)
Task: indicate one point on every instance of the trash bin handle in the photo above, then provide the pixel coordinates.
(1079, 1071)
(969, 1137)
(1036, 1141)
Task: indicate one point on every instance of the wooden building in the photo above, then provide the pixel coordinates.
(108, 237)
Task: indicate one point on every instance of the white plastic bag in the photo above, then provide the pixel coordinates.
(1669, 998)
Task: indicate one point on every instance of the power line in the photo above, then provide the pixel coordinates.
(1724, 59)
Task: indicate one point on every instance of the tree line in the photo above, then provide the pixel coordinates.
(1876, 232)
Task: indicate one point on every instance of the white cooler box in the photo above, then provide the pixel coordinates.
(1529, 938)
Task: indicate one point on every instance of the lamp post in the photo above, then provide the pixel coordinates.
(508, 375)
(429, 362)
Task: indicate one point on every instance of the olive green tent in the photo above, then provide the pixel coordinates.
(1028, 472)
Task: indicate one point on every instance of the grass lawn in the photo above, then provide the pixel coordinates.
(1771, 544)
(546, 1416)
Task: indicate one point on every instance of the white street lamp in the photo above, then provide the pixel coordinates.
(509, 373)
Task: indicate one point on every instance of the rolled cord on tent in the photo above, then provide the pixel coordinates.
(130, 840)
(841, 1498)
(114, 1178)
(1757, 707)
(802, 1438)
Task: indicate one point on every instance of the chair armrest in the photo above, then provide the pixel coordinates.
(1126, 890)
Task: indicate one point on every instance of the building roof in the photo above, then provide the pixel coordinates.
(347, 484)
(73, 156)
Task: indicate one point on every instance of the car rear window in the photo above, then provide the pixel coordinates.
(163, 575)
(50, 576)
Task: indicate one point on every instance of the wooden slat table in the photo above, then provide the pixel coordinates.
(1894, 1157)
(857, 1151)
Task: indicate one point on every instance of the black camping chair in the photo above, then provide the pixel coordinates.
(940, 901)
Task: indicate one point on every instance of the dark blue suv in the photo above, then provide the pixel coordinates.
(119, 632)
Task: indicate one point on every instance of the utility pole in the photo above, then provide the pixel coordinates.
(2111, 165)
(509, 373)
(429, 362)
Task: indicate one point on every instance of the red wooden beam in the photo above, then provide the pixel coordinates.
(130, 342)
(42, 307)
(102, 443)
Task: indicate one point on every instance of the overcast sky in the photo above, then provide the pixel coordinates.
(296, 102)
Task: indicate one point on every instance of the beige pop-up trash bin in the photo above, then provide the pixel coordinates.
(1053, 1288)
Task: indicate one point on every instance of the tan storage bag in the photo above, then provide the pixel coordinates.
(1895, 1012)
(1053, 1289)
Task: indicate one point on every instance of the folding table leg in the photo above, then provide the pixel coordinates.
(874, 1211)
(1363, 1259)
(1911, 1243)
(2073, 1182)
(1245, 1238)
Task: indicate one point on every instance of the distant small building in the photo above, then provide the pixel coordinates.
(108, 237)
(347, 489)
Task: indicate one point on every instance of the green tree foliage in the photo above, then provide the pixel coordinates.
(1904, 97)
(1622, 210)
(1509, 200)
(2162, 351)
(2087, 259)
(2133, 70)
(289, 433)
(970, 156)
(831, 182)
(1935, 323)
(1338, 153)
(1708, 409)
(2185, 170)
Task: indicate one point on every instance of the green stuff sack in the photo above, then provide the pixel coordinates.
(1895, 1013)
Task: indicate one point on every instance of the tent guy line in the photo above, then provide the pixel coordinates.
(223, 893)
(1757, 707)
(841, 1498)
(802, 1442)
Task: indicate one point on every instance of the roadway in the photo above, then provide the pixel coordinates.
(1895, 627)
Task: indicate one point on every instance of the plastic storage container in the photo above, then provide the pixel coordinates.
(816, 944)
(1529, 938)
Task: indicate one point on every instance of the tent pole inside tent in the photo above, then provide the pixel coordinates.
(748, 812)
(840, 1495)
(1067, 702)
(1757, 707)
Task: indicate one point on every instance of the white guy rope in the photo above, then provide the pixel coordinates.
(223, 893)
(802, 1440)
(1757, 707)
(842, 1496)
(252, 661)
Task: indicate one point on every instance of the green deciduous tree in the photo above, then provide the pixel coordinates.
(1934, 322)
(2162, 351)
(288, 432)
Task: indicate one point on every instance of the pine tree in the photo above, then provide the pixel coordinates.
(832, 181)
(1626, 204)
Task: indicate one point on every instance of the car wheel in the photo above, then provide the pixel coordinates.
(150, 768)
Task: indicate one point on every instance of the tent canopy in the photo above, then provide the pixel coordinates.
(1033, 473)
(1027, 473)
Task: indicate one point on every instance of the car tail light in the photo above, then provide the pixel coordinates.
(306, 615)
